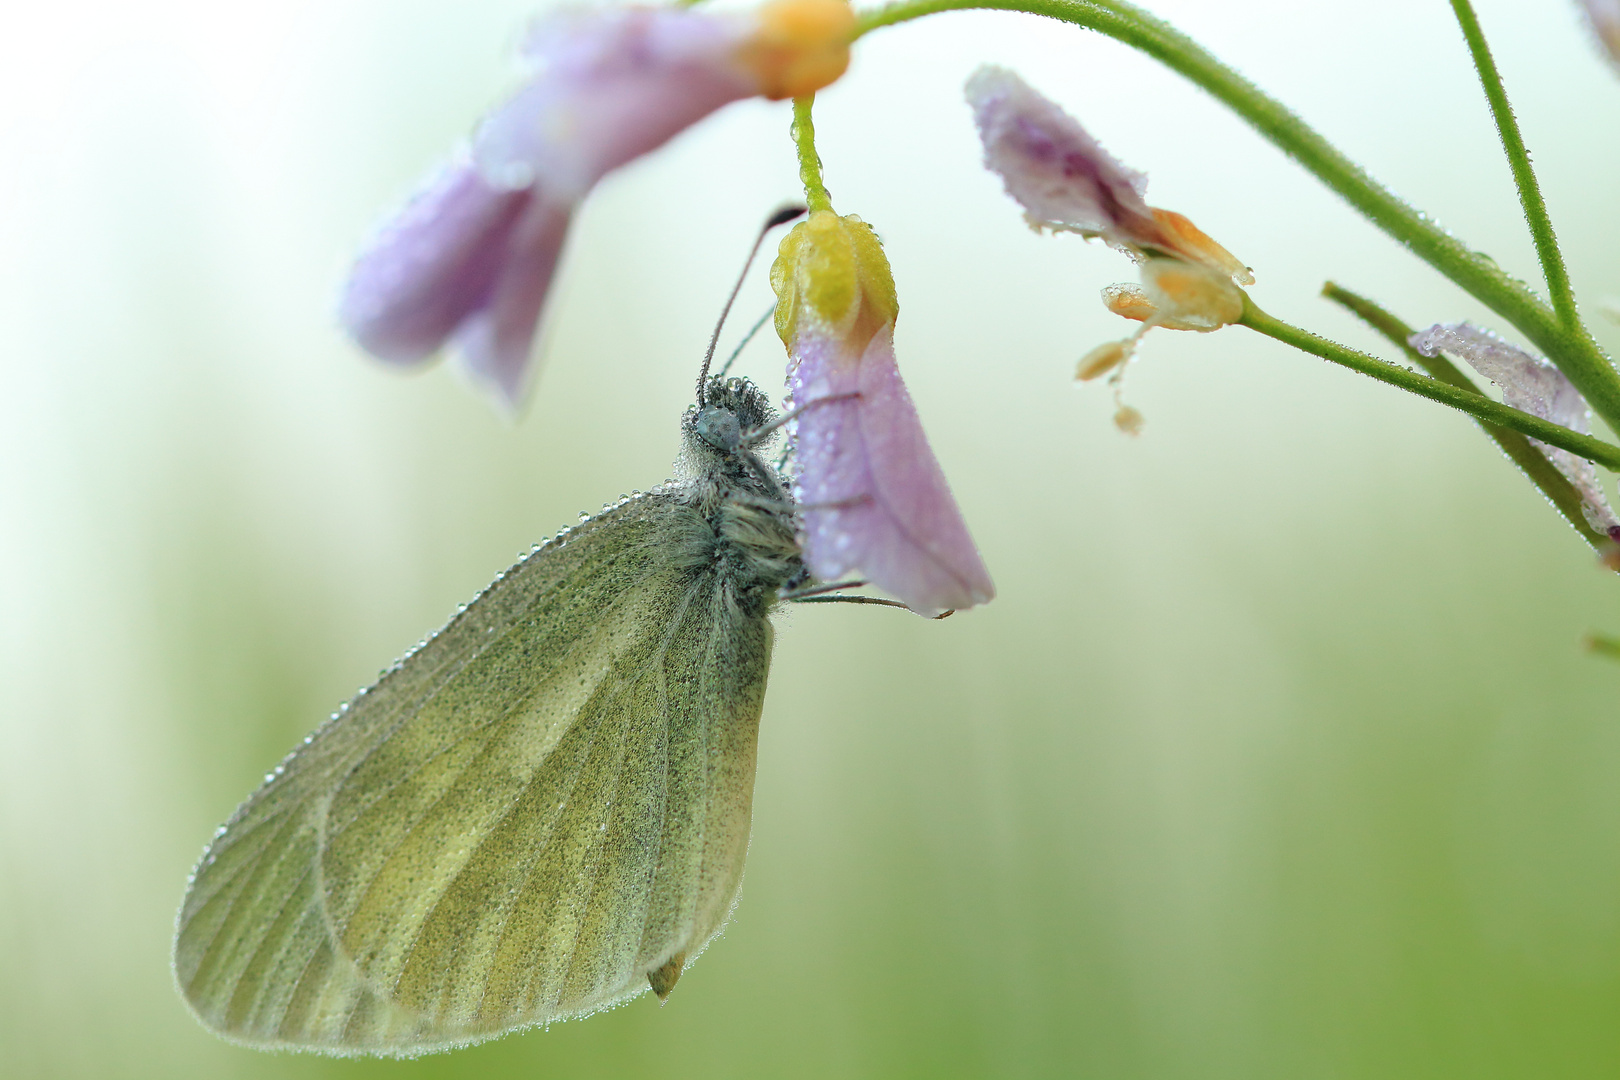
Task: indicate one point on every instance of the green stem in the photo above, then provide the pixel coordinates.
(1524, 174)
(1570, 347)
(804, 140)
(1563, 496)
(1602, 645)
(1471, 402)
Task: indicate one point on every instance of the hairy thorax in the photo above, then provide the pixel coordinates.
(743, 525)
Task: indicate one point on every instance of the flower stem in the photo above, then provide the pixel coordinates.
(804, 139)
(1524, 174)
(1519, 449)
(1470, 401)
(1570, 347)
(1602, 645)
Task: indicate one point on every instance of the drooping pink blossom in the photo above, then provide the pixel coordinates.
(1065, 180)
(470, 259)
(889, 513)
(878, 503)
(1529, 384)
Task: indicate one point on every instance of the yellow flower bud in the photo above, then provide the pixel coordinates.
(800, 46)
(831, 271)
(1129, 420)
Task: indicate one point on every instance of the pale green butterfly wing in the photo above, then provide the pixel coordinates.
(546, 803)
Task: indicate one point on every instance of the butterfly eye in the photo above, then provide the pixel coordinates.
(720, 429)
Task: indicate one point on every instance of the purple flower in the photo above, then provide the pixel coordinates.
(879, 503)
(470, 258)
(1066, 181)
(1531, 385)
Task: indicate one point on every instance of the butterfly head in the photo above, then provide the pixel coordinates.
(732, 408)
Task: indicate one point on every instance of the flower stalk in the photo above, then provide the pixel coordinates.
(1532, 462)
(1469, 401)
(1569, 346)
(804, 142)
(1524, 174)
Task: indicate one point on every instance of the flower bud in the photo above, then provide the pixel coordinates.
(831, 274)
(799, 46)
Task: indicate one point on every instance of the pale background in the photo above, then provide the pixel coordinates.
(1277, 756)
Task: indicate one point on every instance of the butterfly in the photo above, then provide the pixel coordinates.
(540, 811)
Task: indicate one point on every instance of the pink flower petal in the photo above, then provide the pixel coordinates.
(1529, 384)
(903, 531)
(470, 258)
(497, 340)
(431, 266)
(1060, 175)
(610, 86)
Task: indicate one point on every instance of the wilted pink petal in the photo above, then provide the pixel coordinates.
(1064, 179)
(1531, 385)
(1060, 175)
(901, 529)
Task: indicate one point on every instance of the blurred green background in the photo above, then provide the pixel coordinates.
(1277, 756)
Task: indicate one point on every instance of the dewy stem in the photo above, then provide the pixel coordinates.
(1570, 347)
(1524, 174)
(804, 140)
(1532, 462)
(1471, 402)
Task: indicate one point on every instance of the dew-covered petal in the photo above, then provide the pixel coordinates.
(1583, 477)
(430, 266)
(497, 340)
(1529, 384)
(1061, 176)
(901, 528)
(1065, 180)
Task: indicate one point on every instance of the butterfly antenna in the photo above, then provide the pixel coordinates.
(781, 216)
(764, 318)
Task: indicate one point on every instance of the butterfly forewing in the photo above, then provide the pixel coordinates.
(545, 802)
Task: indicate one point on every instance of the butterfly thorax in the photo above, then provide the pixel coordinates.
(748, 534)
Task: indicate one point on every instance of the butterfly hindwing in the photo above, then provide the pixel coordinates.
(544, 803)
